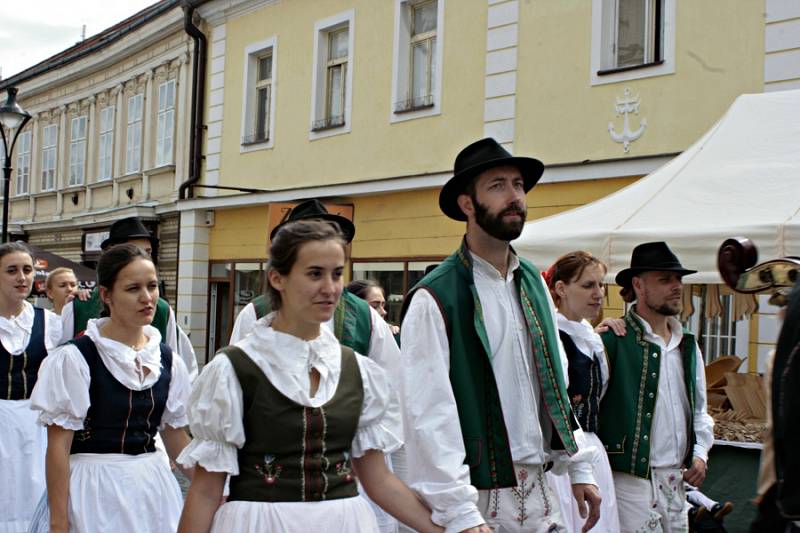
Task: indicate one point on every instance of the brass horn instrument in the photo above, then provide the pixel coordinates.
(736, 262)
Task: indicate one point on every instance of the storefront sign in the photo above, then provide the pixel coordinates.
(279, 211)
(93, 240)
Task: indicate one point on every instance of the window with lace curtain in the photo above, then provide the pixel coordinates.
(23, 163)
(417, 58)
(332, 75)
(77, 151)
(632, 39)
(259, 95)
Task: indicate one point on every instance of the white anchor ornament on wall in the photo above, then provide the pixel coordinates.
(625, 106)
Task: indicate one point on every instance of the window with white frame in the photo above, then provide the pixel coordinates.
(133, 142)
(166, 123)
(333, 74)
(49, 153)
(106, 148)
(77, 151)
(629, 35)
(259, 96)
(417, 58)
(23, 163)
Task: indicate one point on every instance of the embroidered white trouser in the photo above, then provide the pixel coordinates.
(657, 504)
(530, 507)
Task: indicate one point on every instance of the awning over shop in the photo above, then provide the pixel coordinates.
(45, 262)
(742, 178)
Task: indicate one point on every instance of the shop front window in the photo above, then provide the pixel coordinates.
(231, 286)
(396, 277)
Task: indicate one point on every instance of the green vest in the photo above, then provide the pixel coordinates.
(352, 323)
(628, 407)
(82, 312)
(480, 414)
(294, 453)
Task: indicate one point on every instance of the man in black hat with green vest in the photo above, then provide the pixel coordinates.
(653, 418)
(77, 313)
(485, 405)
(354, 323)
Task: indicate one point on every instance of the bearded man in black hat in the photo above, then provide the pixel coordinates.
(77, 313)
(653, 419)
(485, 404)
(354, 323)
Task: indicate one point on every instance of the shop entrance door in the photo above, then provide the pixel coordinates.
(219, 303)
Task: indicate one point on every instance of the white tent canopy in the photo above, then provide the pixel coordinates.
(742, 178)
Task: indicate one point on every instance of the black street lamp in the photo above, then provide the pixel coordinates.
(14, 118)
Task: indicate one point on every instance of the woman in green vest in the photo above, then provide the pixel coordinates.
(292, 416)
(576, 283)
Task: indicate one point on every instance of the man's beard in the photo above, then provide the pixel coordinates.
(664, 308)
(494, 224)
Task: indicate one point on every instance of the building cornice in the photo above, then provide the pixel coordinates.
(115, 53)
(218, 12)
(560, 173)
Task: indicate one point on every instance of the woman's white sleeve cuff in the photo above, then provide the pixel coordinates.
(61, 419)
(375, 437)
(212, 455)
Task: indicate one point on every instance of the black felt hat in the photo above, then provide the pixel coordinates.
(127, 229)
(314, 210)
(474, 159)
(651, 256)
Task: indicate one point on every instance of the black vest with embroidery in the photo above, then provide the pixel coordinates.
(18, 373)
(294, 453)
(120, 420)
(585, 383)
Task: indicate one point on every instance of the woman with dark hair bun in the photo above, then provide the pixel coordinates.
(103, 397)
(371, 292)
(576, 284)
(27, 333)
(293, 416)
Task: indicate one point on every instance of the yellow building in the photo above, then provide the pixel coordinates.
(365, 104)
(108, 138)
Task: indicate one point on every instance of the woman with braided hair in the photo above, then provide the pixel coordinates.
(293, 416)
(576, 283)
(27, 334)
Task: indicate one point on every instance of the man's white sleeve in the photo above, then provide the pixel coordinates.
(703, 423)
(434, 445)
(244, 324)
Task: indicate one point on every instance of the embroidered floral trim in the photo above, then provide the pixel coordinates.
(521, 493)
(268, 470)
(548, 507)
(85, 433)
(494, 502)
(343, 468)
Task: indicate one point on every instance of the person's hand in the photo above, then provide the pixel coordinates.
(82, 295)
(395, 329)
(483, 528)
(617, 325)
(587, 494)
(697, 473)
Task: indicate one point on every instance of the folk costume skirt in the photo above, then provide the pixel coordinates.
(346, 515)
(609, 514)
(23, 444)
(117, 493)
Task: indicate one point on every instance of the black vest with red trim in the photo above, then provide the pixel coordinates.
(120, 420)
(18, 373)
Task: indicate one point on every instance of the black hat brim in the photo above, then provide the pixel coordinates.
(111, 242)
(623, 277)
(530, 168)
(347, 227)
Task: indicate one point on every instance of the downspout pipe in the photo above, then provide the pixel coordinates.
(196, 126)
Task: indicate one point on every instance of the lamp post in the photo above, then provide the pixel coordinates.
(13, 118)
